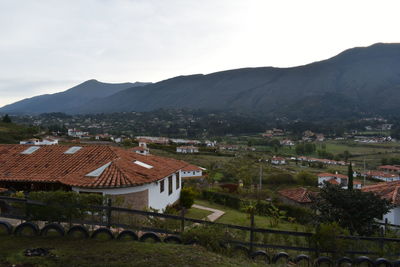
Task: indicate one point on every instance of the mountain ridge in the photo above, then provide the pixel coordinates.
(367, 79)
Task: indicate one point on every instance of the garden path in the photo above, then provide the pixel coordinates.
(215, 215)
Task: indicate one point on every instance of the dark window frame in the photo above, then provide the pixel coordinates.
(178, 182)
(170, 187)
(162, 186)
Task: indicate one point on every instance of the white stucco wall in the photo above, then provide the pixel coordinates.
(191, 173)
(393, 216)
(157, 200)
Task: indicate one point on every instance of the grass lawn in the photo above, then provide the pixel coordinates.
(197, 213)
(236, 217)
(91, 253)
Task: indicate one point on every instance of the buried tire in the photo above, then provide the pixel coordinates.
(102, 231)
(150, 236)
(7, 227)
(280, 255)
(173, 239)
(364, 259)
(260, 255)
(52, 226)
(127, 235)
(23, 227)
(321, 260)
(78, 229)
(302, 257)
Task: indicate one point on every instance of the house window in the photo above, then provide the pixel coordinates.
(170, 185)
(177, 180)
(194, 173)
(161, 186)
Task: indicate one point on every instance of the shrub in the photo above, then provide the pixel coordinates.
(208, 236)
(222, 198)
(187, 197)
(61, 206)
(279, 179)
(325, 238)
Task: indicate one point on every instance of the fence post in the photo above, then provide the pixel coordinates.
(382, 241)
(251, 230)
(109, 213)
(27, 211)
(386, 225)
(182, 219)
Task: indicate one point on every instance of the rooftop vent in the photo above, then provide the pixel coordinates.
(99, 171)
(143, 164)
(73, 150)
(30, 150)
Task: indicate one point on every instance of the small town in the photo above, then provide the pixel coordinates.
(199, 133)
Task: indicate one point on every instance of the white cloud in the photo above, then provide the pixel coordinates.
(45, 45)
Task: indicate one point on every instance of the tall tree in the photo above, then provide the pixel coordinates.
(354, 210)
(6, 119)
(350, 175)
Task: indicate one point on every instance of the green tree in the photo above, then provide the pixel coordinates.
(350, 175)
(354, 210)
(187, 197)
(6, 119)
(306, 178)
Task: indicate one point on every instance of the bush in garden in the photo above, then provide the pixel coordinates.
(208, 236)
(61, 206)
(187, 197)
(325, 238)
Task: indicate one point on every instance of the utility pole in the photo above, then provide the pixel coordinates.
(365, 175)
(261, 173)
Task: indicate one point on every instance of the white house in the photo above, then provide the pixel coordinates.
(192, 171)
(142, 148)
(38, 142)
(278, 160)
(187, 149)
(142, 181)
(383, 176)
(77, 133)
(337, 179)
(391, 192)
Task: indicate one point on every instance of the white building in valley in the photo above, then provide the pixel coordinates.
(192, 171)
(187, 149)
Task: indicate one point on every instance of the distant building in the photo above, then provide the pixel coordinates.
(383, 176)
(278, 161)
(187, 149)
(142, 148)
(337, 179)
(39, 142)
(390, 168)
(287, 142)
(298, 196)
(192, 171)
(77, 133)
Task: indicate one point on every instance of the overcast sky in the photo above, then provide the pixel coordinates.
(48, 46)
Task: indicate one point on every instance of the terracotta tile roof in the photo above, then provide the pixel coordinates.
(191, 167)
(51, 164)
(332, 181)
(386, 190)
(139, 148)
(381, 174)
(389, 167)
(300, 194)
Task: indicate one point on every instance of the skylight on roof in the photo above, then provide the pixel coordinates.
(73, 150)
(143, 164)
(30, 150)
(99, 171)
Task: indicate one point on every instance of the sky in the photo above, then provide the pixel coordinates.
(48, 46)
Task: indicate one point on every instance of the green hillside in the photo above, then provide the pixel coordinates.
(11, 133)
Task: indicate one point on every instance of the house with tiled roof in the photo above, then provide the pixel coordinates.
(278, 160)
(187, 149)
(298, 196)
(337, 179)
(143, 180)
(391, 192)
(390, 168)
(383, 176)
(192, 171)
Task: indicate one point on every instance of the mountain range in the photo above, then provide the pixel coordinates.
(362, 80)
